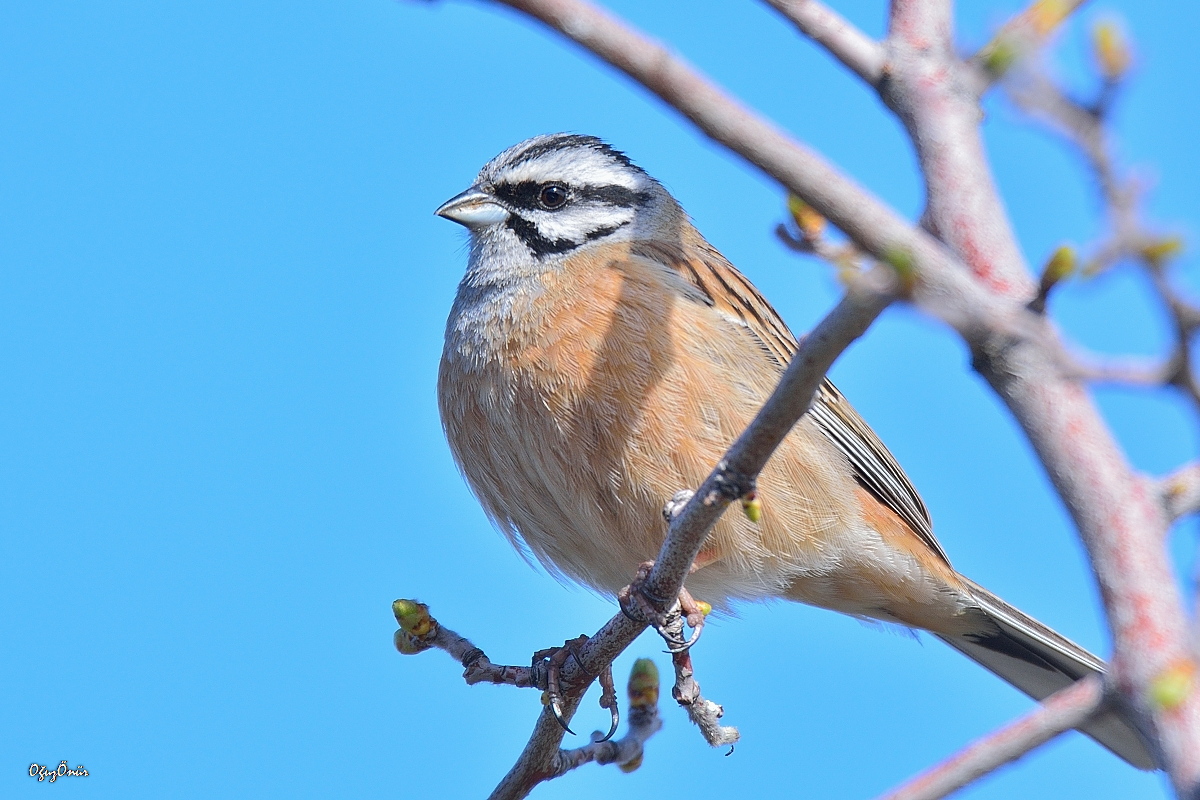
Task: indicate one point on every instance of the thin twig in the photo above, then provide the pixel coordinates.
(1130, 238)
(644, 722)
(1126, 371)
(419, 631)
(857, 51)
(1019, 38)
(1180, 491)
(1058, 713)
(704, 713)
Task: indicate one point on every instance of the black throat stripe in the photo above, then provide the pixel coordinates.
(540, 245)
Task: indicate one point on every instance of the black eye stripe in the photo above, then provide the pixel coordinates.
(525, 195)
(518, 195)
(613, 195)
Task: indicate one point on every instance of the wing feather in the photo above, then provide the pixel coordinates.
(722, 286)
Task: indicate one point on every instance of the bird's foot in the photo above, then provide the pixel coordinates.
(556, 658)
(640, 607)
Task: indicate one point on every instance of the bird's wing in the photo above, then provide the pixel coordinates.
(716, 282)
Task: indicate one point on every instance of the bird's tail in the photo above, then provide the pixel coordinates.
(1039, 662)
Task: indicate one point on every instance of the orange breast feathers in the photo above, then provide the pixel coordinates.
(617, 390)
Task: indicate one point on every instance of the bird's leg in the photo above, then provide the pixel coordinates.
(556, 658)
(639, 607)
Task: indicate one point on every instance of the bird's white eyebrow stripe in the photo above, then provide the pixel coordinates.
(584, 167)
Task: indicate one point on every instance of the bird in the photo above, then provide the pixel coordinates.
(600, 355)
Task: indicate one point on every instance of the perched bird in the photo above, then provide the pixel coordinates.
(600, 355)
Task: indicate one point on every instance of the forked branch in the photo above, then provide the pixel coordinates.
(972, 276)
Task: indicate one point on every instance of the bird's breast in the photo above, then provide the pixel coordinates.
(577, 409)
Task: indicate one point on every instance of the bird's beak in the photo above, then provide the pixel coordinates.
(473, 208)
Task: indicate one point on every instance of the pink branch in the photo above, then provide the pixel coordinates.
(1057, 714)
(923, 24)
(1121, 523)
(929, 91)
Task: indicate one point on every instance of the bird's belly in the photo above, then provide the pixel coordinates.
(582, 485)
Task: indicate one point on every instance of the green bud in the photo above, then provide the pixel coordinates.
(1159, 252)
(1000, 55)
(1062, 264)
(1171, 687)
(1111, 49)
(901, 260)
(413, 617)
(643, 684)
(810, 223)
(407, 644)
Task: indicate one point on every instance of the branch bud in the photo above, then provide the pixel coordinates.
(1046, 15)
(1023, 34)
(1000, 54)
(1171, 687)
(1111, 49)
(1062, 264)
(413, 617)
(632, 764)
(1159, 252)
(900, 260)
(643, 684)
(407, 644)
(752, 507)
(705, 608)
(810, 223)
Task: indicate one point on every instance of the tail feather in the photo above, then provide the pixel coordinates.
(1039, 661)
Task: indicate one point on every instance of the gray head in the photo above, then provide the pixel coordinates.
(554, 193)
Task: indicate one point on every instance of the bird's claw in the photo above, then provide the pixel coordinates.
(556, 658)
(636, 605)
(608, 699)
(556, 711)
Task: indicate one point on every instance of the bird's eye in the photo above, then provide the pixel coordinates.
(553, 196)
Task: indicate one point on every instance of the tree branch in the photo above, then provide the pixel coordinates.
(1120, 523)
(644, 722)
(1180, 491)
(1062, 711)
(922, 24)
(928, 89)
(704, 713)
(419, 631)
(858, 52)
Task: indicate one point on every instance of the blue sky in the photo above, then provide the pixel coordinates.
(222, 293)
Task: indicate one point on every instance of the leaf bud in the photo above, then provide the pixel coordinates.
(413, 617)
